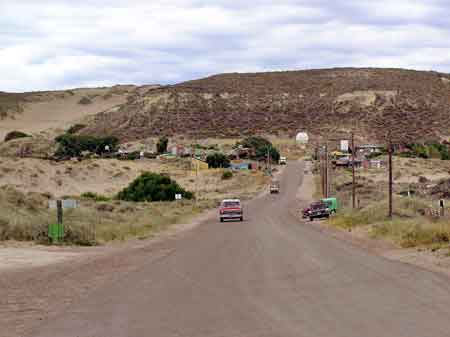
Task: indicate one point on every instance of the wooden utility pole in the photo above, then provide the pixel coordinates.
(270, 161)
(353, 172)
(322, 170)
(326, 171)
(390, 177)
(321, 167)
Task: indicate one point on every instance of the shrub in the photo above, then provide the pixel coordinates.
(75, 128)
(161, 146)
(15, 135)
(153, 187)
(218, 160)
(434, 150)
(85, 101)
(94, 196)
(74, 145)
(227, 175)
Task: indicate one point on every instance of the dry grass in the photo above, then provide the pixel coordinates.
(415, 232)
(101, 218)
(409, 228)
(25, 216)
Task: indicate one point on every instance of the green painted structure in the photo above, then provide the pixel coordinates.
(332, 203)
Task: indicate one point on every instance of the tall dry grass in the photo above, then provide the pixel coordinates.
(99, 219)
(408, 228)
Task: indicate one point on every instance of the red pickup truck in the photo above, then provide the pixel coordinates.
(231, 209)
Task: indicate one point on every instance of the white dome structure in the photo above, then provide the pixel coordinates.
(302, 138)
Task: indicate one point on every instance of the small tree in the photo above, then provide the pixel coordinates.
(161, 146)
(268, 150)
(260, 147)
(218, 160)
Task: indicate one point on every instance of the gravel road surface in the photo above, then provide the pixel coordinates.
(271, 275)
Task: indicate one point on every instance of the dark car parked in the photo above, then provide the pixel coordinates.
(319, 210)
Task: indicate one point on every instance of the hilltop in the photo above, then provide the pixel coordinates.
(233, 105)
(230, 105)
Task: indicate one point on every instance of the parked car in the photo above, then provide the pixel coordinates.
(231, 209)
(319, 210)
(282, 161)
(274, 187)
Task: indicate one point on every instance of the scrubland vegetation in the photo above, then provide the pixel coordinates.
(416, 221)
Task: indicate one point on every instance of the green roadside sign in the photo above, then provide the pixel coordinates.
(56, 232)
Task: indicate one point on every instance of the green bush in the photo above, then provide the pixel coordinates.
(153, 187)
(218, 160)
(427, 151)
(227, 175)
(75, 128)
(15, 135)
(94, 196)
(161, 146)
(74, 145)
(85, 101)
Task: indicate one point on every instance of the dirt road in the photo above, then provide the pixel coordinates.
(268, 276)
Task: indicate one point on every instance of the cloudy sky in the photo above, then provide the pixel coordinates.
(55, 44)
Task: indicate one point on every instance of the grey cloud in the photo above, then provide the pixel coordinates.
(52, 44)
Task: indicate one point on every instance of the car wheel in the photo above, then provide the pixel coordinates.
(242, 218)
(221, 220)
(311, 218)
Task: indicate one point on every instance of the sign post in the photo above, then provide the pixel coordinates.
(56, 230)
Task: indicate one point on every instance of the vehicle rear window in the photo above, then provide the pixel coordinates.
(231, 204)
(318, 205)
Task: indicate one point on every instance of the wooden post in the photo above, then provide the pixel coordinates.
(326, 171)
(390, 179)
(59, 212)
(322, 171)
(353, 172)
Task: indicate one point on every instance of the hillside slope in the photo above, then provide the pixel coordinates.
(282, 103)
(38, 111)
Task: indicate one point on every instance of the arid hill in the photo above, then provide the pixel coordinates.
(283, 103)
(35, 112)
